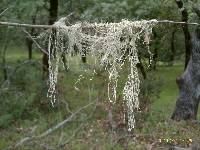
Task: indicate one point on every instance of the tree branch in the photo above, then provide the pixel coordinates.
(36, 43)
(178, 22)
(26, 25)
(53, 26)
(4, 11)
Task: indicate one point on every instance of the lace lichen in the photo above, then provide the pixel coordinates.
(110, 43)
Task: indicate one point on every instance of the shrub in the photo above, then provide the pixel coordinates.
(19, 94)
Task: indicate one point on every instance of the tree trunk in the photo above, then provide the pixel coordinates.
(4, 60)
(141, 67)
(53, 14)
(189, 84)
(30, 47)
(185, 30)
(155, 54)
(153, 60)
(4, 49)
(173, 51)
(83, 56)
(53, 11)
(29, 42)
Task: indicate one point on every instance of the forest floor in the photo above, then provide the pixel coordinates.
(155, 131)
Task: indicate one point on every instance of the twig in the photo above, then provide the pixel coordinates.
(36, 43)
(4, 11)
(72, 13)
(67, 106)
(51, 130)
(177, 22)
(26, 25)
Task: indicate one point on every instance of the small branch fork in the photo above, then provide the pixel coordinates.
(34, 41)
(53, 26)
(1, 14)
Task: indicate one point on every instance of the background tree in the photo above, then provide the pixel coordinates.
(188, 83)
(53, 15)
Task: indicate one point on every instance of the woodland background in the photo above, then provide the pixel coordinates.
(25, 111)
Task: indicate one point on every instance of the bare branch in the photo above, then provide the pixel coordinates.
(4, 11)
(26, 25)
(53, 26)
(178, 22)
(36, 43)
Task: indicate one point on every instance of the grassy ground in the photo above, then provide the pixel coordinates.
(155, 128)
(158, 124)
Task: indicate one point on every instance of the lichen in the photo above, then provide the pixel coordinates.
(107, 42)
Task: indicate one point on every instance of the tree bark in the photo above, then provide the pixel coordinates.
(155, 54)
(185, 30)
(53, 15)
(53, 11)
(5, 74)
(173, 50)
(83, 56)
(4, 49)
(29, 41)
(141, 67)
(30, 47)
(189, 84)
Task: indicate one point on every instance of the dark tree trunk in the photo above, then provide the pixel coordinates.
(30, 47)
(153, 60)
(173, 51)
(141, 67)
(64, 61)
(6, 43)
(84, 52)
(155, 54)
(189, 84)
(4, 61)
(185, 30)
(53, 14)
(29, 42)
(83, 56)
(53, 11)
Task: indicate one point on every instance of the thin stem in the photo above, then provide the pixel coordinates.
(26, 25)
(178, 22)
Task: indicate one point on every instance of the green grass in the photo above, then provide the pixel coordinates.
(165, 104)
(169, 93)
(158, 125)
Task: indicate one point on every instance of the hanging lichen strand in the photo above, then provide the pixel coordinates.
(110, 43)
